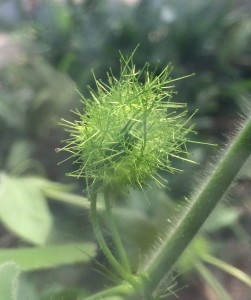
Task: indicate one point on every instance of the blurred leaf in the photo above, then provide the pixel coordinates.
(30, 259)
(145, 217)
(190, 257)
(24, 210)
(26, 289)
(221, 217)
(246, 170)
(18, 158)
(8, 280)
(68, 294)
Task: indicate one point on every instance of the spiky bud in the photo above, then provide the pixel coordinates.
(129, 129)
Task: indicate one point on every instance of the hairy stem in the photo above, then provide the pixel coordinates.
(201, 206)
(115, 234)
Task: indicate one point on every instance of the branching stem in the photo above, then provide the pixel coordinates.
(100, 238)
(120, 290)
(193, 217)
(115, 234)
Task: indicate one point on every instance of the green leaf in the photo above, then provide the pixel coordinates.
(29, 259)
(191, 255)
(66, 294)
(24, 210)
(222, 217)
(18, 158)
(27, 289)
(8, 280)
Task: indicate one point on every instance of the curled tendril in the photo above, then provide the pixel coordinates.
(129, 129)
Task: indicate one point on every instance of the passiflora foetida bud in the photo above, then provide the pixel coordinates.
(129, 129)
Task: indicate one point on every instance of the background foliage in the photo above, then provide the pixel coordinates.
(48, 49)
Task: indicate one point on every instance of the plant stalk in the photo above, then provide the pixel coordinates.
(199, 209)
(118, 291)
(99, 236)
(212, 281)
(115, 234)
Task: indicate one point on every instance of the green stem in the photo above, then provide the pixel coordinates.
(115, 234)
(99, 236)
(119, 290)
(212, 281)
(227, 268)
(201, 206)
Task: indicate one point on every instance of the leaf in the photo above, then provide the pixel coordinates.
(24, 210)
(27, 289)
(18, 157)
(65, 294)
(36, 258)
(222, 217)
(191, 255)
(8, 280)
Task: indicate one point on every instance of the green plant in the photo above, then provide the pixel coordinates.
(129, 131)
(63, 36)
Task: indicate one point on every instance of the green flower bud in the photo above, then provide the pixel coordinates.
(129, 130)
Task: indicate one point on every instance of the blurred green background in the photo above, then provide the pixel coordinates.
(47, 52)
